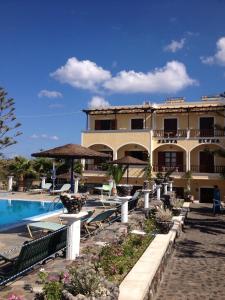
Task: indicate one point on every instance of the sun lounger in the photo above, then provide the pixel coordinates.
(46, 187)
(49, 226)
(53, 226)
(65, 188)
(97, 220)
(32, 254)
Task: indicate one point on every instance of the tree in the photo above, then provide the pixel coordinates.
(21, 168)
(43, 166)
(7, 121)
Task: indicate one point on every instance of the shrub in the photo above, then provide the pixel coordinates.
(163, 215)
(177, 203)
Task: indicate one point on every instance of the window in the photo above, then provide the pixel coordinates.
(170, 127)
(170, 160)
(206, 126)
(105, 124)
(137, 123)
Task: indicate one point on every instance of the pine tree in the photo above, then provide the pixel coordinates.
(8, 125)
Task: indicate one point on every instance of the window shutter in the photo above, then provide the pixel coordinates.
(97, 124)
(179, 160)
(113, 124)
(161, 160)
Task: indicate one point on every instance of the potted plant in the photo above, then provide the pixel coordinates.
(187, 192)
(163, 219)
(73, 204)
(116, 172)
(176, 206)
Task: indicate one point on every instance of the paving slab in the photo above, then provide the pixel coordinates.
(196, 269)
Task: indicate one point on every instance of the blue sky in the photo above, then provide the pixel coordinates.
(58, 57)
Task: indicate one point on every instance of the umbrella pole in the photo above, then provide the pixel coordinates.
(71, 176)
(127, 173)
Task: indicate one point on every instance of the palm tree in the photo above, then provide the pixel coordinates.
(43, 166)
(21, 168)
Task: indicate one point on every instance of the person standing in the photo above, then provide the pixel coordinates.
(216, 200)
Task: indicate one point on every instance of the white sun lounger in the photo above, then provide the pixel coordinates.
(65, 188)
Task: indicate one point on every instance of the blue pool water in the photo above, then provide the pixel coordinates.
(15, 211)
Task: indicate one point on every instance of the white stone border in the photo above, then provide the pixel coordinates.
(138, 282)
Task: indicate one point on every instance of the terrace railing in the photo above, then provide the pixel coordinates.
(179, 133)
(161, 168)
(207, 169)
(206, 133)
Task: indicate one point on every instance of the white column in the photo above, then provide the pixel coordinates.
(114, 155)
(158, 191)
(171, 186)
(43, 179)
(188, 134)
(146, 198)
(83, 163)
(188, 161)
(10, 183)
(165, 184)
(76, 185)
(124, 208)
(73, 234)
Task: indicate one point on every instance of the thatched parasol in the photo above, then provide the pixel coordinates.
(128, 161)
(70, 151)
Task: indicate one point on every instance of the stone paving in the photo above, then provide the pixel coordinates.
(196, 269)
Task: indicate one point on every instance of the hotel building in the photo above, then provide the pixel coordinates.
(176, 134)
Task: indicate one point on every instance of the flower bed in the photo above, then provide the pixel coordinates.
(98, 272)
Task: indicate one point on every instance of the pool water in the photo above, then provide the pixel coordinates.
(15, 211)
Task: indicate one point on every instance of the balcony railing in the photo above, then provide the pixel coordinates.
(206, 133)
(207, 169)
(161, 168)
(170, 134)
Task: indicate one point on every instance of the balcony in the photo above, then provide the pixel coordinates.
(207, 169)
(161, 168)
(192, 133)
(206, 133)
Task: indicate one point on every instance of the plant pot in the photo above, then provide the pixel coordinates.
(164, 226)
(124, 189)
(73, 205)
(176, 211)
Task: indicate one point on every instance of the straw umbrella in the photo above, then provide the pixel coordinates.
(70, 151)
(128, 161)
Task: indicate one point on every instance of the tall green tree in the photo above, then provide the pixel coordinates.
(21, 168)
(8, 124)
(43, 166)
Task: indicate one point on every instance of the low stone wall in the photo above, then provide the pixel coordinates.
(142, 281)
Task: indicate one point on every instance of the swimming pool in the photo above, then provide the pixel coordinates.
(16, 211)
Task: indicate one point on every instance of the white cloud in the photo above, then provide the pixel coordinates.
(49, 94)
(219, 56)
(54, 137)
(171, 78)
(174, 46)
(98, 102)
(44, 136)
(81, 74)
(56, 105)
(34, 136)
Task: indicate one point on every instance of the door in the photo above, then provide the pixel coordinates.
(206, 126)
(170, 127)
(206, 160)
(206, 195)
(170, 160)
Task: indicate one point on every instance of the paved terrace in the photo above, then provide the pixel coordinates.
(196, 269)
